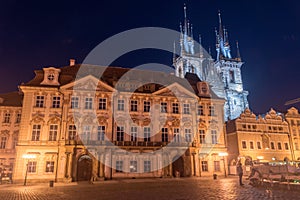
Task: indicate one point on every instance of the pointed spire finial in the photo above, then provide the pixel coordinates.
(209, 51)
(191, 31)
(174, 53)
(184, 10)
(220, 26)
(188, 28)
(238, 55)
(200, 47)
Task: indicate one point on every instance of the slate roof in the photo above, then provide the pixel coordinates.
(110, 75)
(13, 99)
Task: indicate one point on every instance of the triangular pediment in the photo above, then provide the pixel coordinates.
(88, 83)
(175, 90)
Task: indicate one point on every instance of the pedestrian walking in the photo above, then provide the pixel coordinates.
(239, 169)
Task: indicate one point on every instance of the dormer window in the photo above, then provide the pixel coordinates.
(203, 89)
(51, 75)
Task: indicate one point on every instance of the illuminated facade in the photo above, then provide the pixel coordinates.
(10, 118)
(170, 130)
(252, 137)
(224, 74)
(293, 118)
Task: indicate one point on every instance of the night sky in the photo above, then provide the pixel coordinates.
(35, 34)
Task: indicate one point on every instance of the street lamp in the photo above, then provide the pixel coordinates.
(27, 157)
(224, 154)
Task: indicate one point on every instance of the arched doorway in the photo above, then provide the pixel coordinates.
(84, 168)
(178, 166)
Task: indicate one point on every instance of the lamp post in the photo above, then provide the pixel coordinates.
(224, 154)
(27, 157)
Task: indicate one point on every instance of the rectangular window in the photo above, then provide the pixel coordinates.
(75, 102)
(3, 142)
(200, 110)
(244, 144)
(258, 145)
(72, 132)
(251, 144)
(211, 110)
(272, 145)
(119, 166)
(36, 132)
(18, 118)
(101, 133)
(121, 104)
(133, 166)
(31, 167)
(88, 104)
(86, 135)
(147, 106)
(147, 133)
(163, 107)
(6, 118)
(204, 166)
(164, 135)
(175, 108)
(133, 133)
(279, 146)
(188, 135)
(214, 138)
(147, 166)
(53, 132)
(120, 133)
(55, 102)
(176, 135)
(296, 146)
(102, 104)
(133, 105)
(286, 146)
(217, 166)
(39, 101)
(49, 167)
(15, 142)
(202, 136)
(186, 108)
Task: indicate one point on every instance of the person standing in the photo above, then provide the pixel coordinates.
(239, 169)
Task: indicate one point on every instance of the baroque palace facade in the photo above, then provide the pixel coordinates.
(159, 130)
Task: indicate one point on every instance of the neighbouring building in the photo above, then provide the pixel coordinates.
(292, 116)
(258, 138)
(10, 118)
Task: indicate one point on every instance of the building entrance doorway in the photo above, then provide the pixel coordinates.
(178, 166)
(84, 168)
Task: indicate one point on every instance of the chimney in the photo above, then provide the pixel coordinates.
(72, 62)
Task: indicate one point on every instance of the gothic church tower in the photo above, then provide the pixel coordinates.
(224, 74)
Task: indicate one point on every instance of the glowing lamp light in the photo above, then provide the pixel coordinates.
(260, 157)
(223, 154)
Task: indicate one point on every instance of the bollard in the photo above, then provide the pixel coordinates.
(51, 183)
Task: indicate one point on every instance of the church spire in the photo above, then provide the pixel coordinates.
(220, 26)
(174, 53)
(238, 55)
(222, 43)
(187, 45)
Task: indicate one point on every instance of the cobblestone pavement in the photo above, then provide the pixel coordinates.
(160, 189)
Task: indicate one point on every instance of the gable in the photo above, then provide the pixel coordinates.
(175, 90)
(88, 83)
